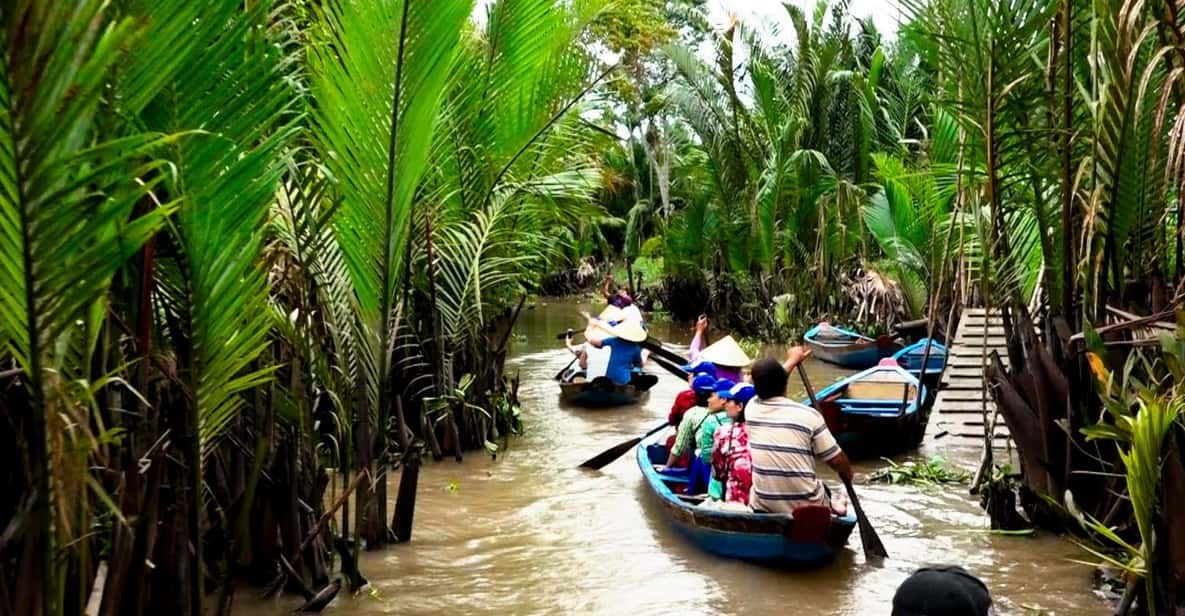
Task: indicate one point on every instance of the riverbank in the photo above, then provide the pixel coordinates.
(528, 533)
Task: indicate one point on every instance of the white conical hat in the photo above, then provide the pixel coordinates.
(613, 322)
(726, 352)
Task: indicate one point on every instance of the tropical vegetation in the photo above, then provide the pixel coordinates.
(250, 249)
(252, 253)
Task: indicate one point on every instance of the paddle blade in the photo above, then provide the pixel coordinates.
(603, 459)
(643, 382)
(672, 368)
(654, 345)
(873, 548)
(606, 457)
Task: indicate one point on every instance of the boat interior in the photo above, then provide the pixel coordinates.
(879, 394)
(675, 479)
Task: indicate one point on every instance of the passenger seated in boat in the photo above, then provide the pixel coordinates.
(684, 401)
(622, 337)
(942, 591)
(732, 475)
(785, 440)
(704, 386)
(717, 416)
(578, 372)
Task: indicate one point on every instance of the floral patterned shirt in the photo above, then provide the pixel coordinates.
(731, 462)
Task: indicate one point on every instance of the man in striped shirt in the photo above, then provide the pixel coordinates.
(785, 440)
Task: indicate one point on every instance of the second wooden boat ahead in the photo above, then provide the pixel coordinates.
(876, 412)
(911, 358)
(602, 393)
(810, 537)
(844, 347)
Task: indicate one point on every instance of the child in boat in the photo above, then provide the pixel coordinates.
(732, 475)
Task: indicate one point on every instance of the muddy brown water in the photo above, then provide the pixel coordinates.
(528, 533)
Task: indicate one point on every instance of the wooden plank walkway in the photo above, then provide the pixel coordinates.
(957, 417)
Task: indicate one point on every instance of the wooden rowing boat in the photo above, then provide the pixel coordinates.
(603, 393)
(911, 358)
(810, 537)
(876, 412)
(844, 347)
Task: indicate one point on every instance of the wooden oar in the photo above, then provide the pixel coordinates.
(560, 374)
(604, 458)
(565, 369)
(669, 367)
(873, 548)
(654, 345)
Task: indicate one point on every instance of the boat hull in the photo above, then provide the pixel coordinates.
(597, 396)
(856, 351)
(911, 358)
(601, 393)
(764, 538)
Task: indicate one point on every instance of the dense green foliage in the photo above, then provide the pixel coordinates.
(243, 242)
(250, 248)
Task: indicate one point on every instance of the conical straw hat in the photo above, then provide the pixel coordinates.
(726, 352)
(613, 322)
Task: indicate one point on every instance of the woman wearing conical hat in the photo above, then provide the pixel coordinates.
(623, 337)
(728, 356)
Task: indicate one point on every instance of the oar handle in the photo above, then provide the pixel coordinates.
(806, 384)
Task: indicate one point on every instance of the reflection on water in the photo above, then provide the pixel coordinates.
(531, 534)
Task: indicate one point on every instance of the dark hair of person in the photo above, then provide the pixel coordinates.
(769, 378)
(701, 398)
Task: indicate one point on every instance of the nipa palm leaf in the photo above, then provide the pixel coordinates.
(377, 72)
(228, 177)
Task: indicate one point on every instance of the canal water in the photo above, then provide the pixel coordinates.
(528, 533)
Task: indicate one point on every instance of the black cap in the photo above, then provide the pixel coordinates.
(942, 591)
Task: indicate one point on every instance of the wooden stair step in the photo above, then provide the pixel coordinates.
(969, 372)
(962, 406)
(962, 395)
(964, 383)
(971, 361)
(993, 340)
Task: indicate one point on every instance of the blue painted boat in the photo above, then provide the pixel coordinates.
(767, 538)
(876, 412)
(844, 347)
(911, 358)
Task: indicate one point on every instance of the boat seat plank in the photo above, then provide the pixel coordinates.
(867, 402)
(868, 390)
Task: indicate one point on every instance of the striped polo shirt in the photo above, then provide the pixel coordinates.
(785, 439)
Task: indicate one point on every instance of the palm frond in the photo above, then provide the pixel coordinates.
(229, 177)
